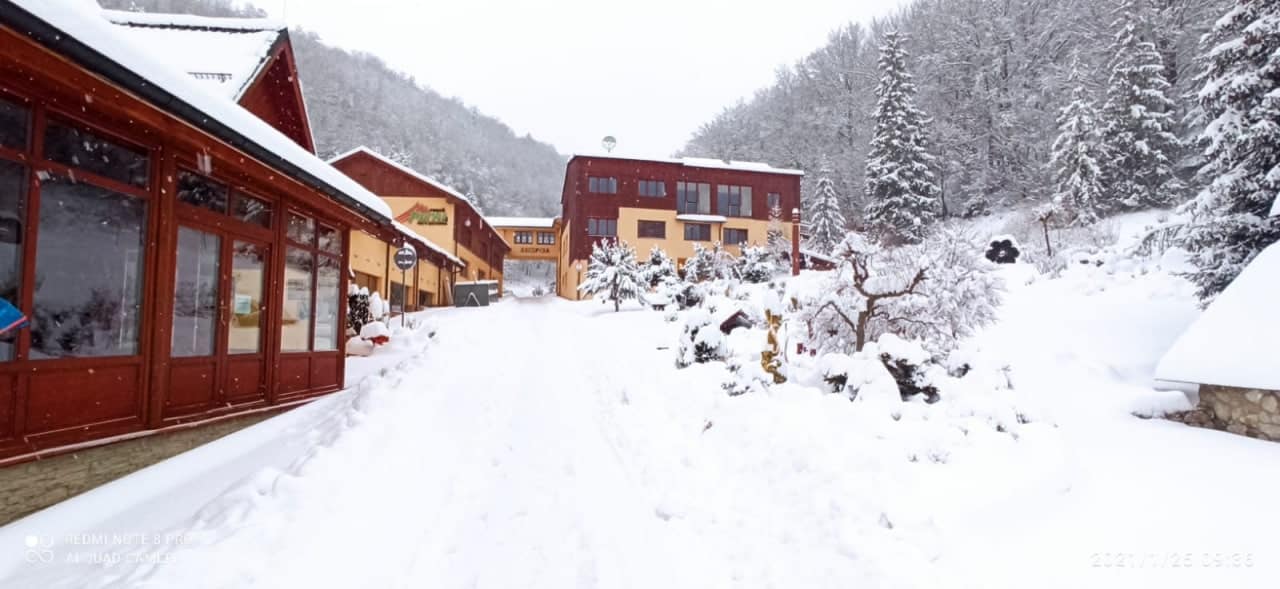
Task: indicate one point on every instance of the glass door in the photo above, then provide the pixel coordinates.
(218, 320)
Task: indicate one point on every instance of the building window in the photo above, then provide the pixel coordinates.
(199, 191)
(89, 257)
(697, 232)
(693, 198)
(733, 201)
(367, 281)
(735, 236)
(602, 227)
(13, 198)
(248, 261)
(430, 217)
(651, 229)
(602, 185)
(653, 188)
(195, 293)
(546, 238)
(312, 286)
(524, 237)
(424, 299)
(14, 125)
(774, 201)
(89, 152)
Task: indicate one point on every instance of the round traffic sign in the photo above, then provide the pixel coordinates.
(406, 258)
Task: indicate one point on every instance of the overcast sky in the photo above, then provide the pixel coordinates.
(572, 71)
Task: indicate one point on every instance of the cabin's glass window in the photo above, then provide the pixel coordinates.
(195, 294)
(89, 261)
(85, 150)
(735, 236)
(248, 262)
(302, 230)
(254, 211)
(197, 190)
(299, 268)
(329, 240)
(15, 123)
(13, 211)
(328, 293)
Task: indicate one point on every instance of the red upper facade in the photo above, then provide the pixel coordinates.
(579, 202)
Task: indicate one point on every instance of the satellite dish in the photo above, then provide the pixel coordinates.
(609, 142)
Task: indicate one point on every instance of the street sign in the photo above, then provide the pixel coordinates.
(406, 258)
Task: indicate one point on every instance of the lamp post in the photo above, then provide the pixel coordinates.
(578, 293)
(795, 242)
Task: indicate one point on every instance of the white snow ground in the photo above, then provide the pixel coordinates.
(544, 443)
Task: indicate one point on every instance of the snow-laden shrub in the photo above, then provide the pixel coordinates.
(358, 309)
(756, 265)
(688, 294)
(378, 307)
(613, 272)
(701, 340)
(890, 364)
(936, 292)
(660, 268)
(713, 263)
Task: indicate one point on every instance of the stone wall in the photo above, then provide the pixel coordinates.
(32, 486)
(1250, 412)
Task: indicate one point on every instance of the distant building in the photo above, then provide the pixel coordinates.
(432, 210)
(670, 203)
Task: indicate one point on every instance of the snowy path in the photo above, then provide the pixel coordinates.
(549, 444)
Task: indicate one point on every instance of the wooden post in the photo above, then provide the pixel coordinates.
(795, 242)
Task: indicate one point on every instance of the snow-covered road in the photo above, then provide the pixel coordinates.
(544, 443)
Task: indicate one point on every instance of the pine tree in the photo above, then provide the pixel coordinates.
(613, 270)
(1138, 119)
(659, 268)
(756, 265)
(778, 242)
(1078, 157)
(902, 192)
(826, 222)
(1241, 100)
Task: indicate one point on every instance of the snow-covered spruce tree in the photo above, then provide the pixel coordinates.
(778, 242)
(1078, 157)
(1241, 101)
(660, 267)
(756, 265)
(1138, 122)
(901, 189)
(826, 222)
(613, 271)
(713, 263)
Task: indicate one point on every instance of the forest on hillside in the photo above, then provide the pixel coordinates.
(355, 98)
(992, 77)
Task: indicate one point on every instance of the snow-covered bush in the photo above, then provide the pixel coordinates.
(701, 340)
(937, 292)
(713, 263)
(378, 307)
(659, 268)
(613, 272)
(889, 364)
(358, 308)
(756, 265)
(688, 294)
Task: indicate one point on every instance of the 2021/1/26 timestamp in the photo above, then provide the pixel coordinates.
(1171, 560)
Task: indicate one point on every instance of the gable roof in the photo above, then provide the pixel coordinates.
(1236, 341)
(224, 54)
(538, 222)
(81, 35)
(700, 162)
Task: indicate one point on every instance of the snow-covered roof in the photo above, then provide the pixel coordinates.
(1236, 341)
(540, 222)
(702, 218)
(702, 162)
(79, 20)
(427, 243)
(808, 253)
(416, 174)
(223, 54)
